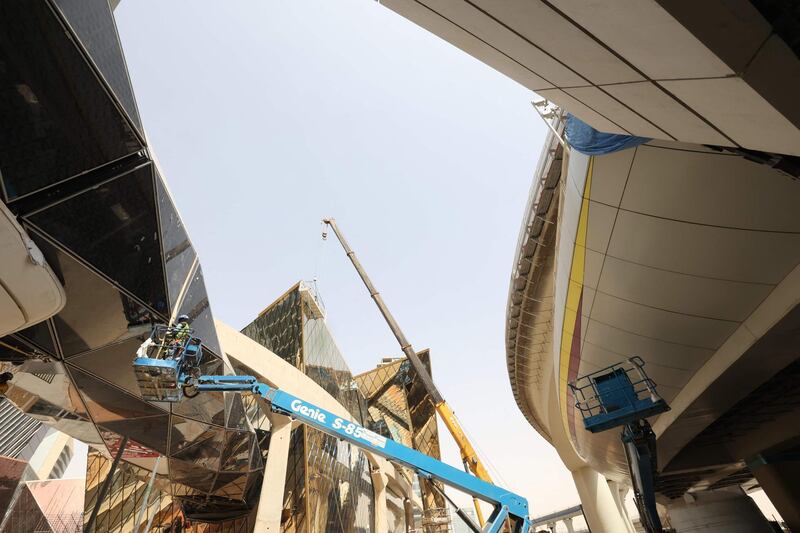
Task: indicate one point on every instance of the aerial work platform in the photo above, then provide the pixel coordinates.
(622, 395)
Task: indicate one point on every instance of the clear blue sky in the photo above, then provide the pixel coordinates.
(268, 115)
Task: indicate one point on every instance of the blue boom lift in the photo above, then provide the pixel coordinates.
(623, 395)
(168, 369)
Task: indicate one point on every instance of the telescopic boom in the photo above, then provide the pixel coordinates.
(468, 454)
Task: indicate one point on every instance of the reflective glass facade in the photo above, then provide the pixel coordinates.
(401, 408)
(328, 484)
(76, 172)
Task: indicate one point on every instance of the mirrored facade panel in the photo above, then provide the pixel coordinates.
(186, 432)
(40, 336)
(179, 255)
(230, 485)
(96, 313)
(44, 391)
(237, 450)
(294, 493)
(133, 451)
(279, 327)
(107, 403)
(151, 431)
(64, 121)
(191, 475)
(195, 304)
(235, 415)
(340, 489)
(204, 451)
(113, 363)
(113, 228)
(93, 23)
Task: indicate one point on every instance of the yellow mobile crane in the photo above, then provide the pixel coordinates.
(468, 454)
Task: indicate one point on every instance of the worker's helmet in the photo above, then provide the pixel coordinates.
(183, 318)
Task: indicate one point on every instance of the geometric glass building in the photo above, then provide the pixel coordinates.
(328, 484)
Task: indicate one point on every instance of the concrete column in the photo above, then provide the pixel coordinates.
(618, 492)
(379, 480)
(408, 507)
(270, 502)
(568, 523)
(598, 502)
(727, 510)
(781, 482)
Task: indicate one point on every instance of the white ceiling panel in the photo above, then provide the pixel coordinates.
(712, 188)
(626, 344)
(487, 29)
(666, 113)
(660, 324)
(552, 32)
(647, 36)
(740, 112)
(593, 265)
(594, 357)
(680, 293)
(609, 174)
(456, 36)
(608, 106)
(600, 225)
(707, 251)
(587, 114)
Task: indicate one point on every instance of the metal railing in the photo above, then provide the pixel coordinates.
(588, 397)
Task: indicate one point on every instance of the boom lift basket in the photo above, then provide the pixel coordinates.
(617, 395)
(161, 361)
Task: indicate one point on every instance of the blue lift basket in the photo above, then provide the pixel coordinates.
(616, 395)
(163, 361)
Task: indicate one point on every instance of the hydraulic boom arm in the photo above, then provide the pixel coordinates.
(507, 505)
(468, 454)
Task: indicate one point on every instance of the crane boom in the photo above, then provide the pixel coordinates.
(468, 454)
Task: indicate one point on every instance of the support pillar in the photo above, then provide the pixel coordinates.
(599, 507)
(618, 492)
(780, 480)
(379, 480)
(270, 502)
(408, 507)
(568, 523)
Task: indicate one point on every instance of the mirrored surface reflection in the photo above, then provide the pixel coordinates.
(178, 251)
(151, 431)
(39, 336)
(113, 227)
(235, 411)
(195, 304)
(112, 363)
(191, 475)
(207, 407)
(110, 404)
(64, 121)
(44, 391)
(96, 313)
(94, 24)
(230, 485)
(204, 451)
(236, 453)
(186, 432)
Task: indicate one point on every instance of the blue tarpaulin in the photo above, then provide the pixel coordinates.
(587, 140)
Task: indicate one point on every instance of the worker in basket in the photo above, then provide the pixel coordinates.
(177, 336)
